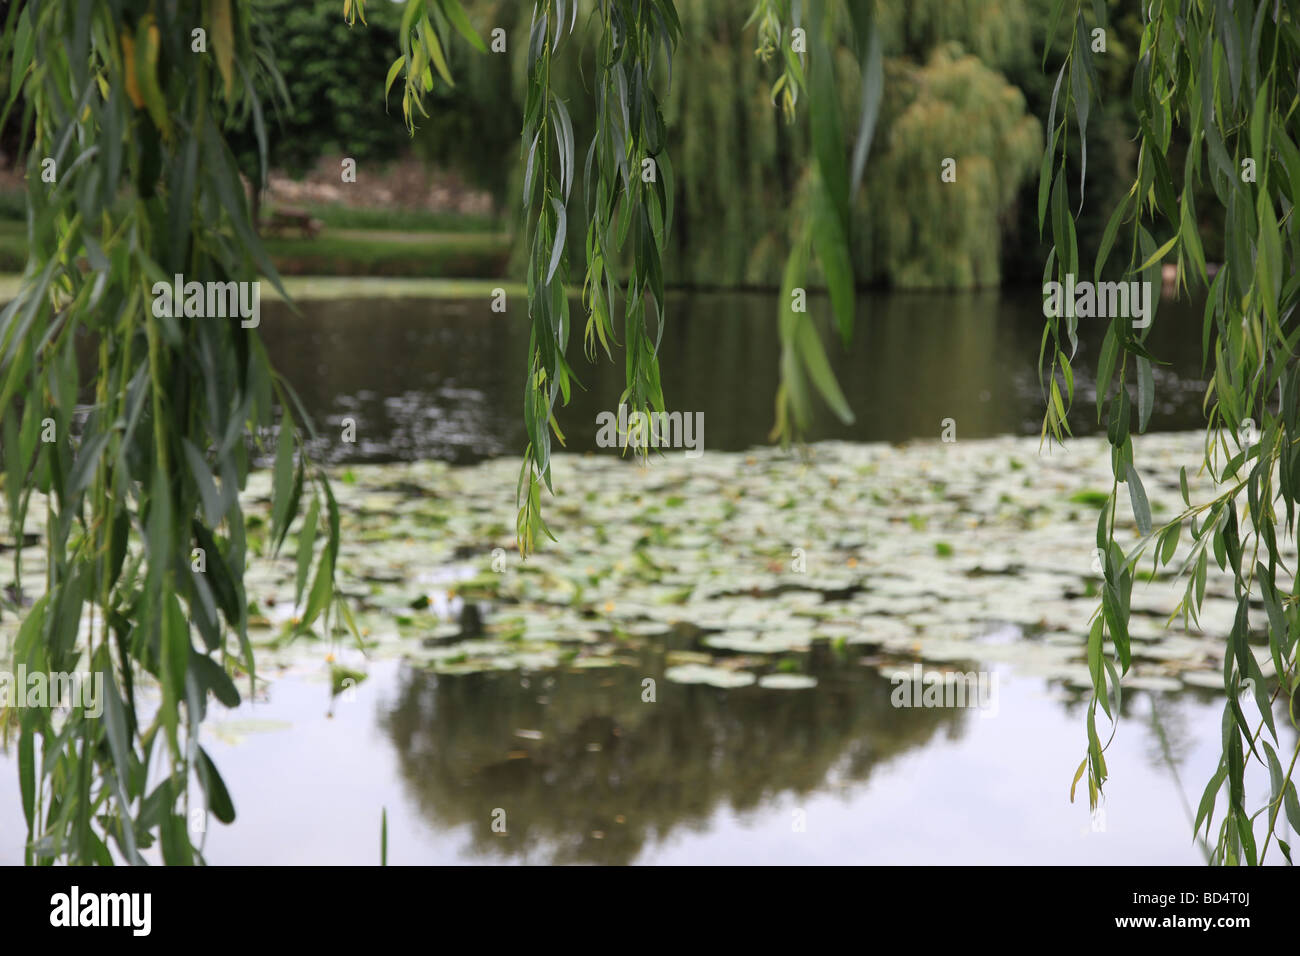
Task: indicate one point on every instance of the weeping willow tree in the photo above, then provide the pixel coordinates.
(136, 459)
(993, 30)
(740, 157)
(731, 123)
(150, 444)
(734, 131)
(628, 194)
(1215, 83)
(924, 222)
(738, 142)
(132, 420)
(957, 148)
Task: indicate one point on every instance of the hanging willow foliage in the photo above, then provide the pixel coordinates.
(546, 197)
(821, 227)
(628, 191)
(132, 421)
(730, 145)
(727, 148)
(1216, 82)
(631, 193)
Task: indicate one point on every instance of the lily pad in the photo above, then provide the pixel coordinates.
(787, 681)
(713, 676)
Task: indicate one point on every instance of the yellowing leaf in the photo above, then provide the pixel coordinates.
(223, 43)
(128, 60)
(1078, 775)
(147, 46)
(392, 75)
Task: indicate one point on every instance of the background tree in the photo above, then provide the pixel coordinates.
(327, 86)
(12, 134)
(731, 141)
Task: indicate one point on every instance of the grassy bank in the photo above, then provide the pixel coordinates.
(336, 216)
(354, 252)
(309, 288)
(383, 253)
(353, 242)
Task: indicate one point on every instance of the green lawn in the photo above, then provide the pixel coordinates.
(338, 217)
(365, 252)
(350, 252)
(385, 253)
(308, 288)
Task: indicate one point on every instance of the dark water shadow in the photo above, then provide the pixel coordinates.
(432, 379)
(613, 774)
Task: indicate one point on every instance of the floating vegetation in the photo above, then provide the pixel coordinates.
(909, 554)
(787, 681)
(713, 676)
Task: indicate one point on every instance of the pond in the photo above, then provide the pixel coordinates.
(434, 379)
(724, 659)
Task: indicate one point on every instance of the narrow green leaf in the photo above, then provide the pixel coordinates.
(1138, 496)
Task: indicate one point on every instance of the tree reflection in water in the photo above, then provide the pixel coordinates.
(610, 774)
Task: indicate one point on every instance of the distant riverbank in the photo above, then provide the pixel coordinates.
(309, 288)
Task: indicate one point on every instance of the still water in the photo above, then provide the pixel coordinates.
(444, 380)
(582, 771)
(585, 774)
(832, 775)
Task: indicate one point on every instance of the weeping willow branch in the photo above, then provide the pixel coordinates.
(821, 232)
(630, 193)
(546, 195)
(1218, 81)
(130, 184)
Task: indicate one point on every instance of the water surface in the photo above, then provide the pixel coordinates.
(582, 767)
(442, 379)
